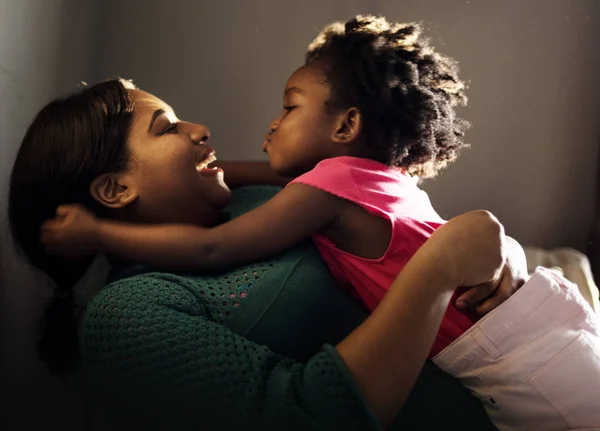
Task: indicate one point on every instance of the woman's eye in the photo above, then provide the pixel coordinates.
(171, 128)
(288, 108)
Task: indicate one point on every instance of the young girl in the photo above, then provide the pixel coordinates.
(372, 108)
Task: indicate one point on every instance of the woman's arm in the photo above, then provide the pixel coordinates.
(295, 213)
(239, 174)
(466, 251)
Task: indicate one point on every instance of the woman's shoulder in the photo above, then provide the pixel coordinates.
(284, 291)
(141, 294)
(145, 290)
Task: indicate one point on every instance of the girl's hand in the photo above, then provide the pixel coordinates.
(73, 233)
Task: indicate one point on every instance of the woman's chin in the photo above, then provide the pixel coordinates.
(220, 195)
(214, 189)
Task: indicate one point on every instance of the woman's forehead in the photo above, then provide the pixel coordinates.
(146, 103)
(146, 106)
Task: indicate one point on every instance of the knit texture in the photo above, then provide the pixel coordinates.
(243, 350)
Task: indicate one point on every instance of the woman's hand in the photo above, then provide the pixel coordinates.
(485, 297)
(73, 233)
(478, 240)
(469, 250)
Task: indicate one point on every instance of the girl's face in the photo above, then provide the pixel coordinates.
(301, 136)
(167, 168)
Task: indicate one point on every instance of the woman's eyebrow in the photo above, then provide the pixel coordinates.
(156, 114)
(293, 90)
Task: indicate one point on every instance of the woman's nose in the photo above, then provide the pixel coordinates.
(199, 134)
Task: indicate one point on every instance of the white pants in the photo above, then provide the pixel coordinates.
(534, 361)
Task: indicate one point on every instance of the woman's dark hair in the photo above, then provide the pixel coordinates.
(70, 142)
(405, 91)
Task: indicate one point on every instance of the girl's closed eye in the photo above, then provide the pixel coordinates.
(288, 108)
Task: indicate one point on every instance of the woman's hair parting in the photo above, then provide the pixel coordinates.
(405, 91)
(71, 141)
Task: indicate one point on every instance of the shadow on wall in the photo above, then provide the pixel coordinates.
(45, 49)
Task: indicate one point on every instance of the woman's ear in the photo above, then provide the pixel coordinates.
(109, 191)
(348, 127)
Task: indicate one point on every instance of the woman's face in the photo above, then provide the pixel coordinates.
(168, 166)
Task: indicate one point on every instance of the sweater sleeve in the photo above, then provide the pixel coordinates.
(151, 346)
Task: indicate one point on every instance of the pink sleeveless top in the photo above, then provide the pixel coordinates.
(389, 193)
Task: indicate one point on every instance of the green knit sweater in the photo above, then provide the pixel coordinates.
(250, 349)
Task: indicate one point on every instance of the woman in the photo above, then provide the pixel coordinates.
(269, 346)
